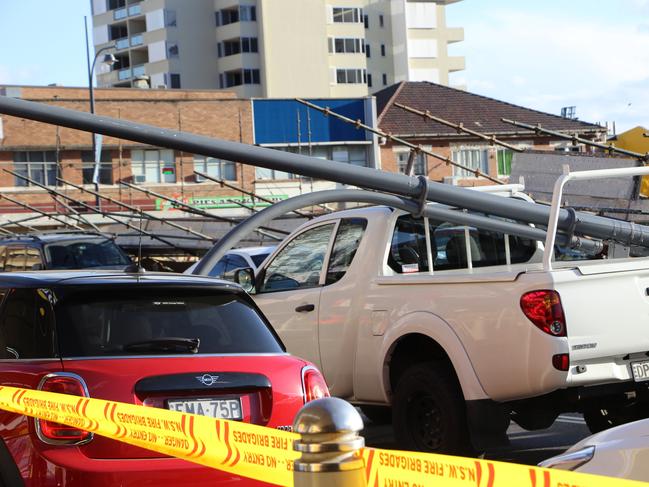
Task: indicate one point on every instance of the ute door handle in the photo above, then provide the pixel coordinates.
(305, 308)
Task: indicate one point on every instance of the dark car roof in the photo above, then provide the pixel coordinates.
(108, 278)
(52, 237)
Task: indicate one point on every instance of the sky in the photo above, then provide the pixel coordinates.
(591, 54)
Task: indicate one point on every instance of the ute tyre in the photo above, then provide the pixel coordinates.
(428, 411)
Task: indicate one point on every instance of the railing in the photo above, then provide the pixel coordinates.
(121, 43)
(120, 13)
(124, 74)
(138, 70)
(134, 10)
(137, 40)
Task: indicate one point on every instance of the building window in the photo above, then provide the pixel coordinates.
(105, 167)
(347, 15)
(248, 13)
(174, 80)
(249, 44)
(153, 166)
(367, 50)
(346, 45)
(369, 80)
(170, 18)
(236, 46)
(470, 158)
(241, 77)
(366, 21)
(505, 161)
(351, 76)
(420, 163)
(385, 79)
(115, 4)
(216, 168)
(40, 166)
(380, 20)
(382, 49)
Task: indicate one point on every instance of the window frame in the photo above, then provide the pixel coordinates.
(28, 167)
(161, 165)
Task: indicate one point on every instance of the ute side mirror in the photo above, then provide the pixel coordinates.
(245, 278)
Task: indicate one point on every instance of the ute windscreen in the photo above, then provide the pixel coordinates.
(83, 254)
(160, 322)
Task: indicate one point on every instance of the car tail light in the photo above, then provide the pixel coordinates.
(57, 433)
(561, 361)
(543, 308)
(313, 384)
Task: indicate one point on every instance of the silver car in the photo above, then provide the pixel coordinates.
(621, 452)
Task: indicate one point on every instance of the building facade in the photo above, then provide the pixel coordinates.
(276, 49)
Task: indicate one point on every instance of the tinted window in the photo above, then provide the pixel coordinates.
(3, 251)
(81, 254)
(299, 263)
(348, 238)
(234, 262)
(96, 324)
(449, 246)
(33, 259)
(26, 325)
(219, 269)
(259, 258)
(15, 260)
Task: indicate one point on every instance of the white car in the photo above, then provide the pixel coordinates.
(236, 259)
(621, 452)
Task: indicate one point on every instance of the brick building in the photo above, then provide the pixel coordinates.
(480, 113)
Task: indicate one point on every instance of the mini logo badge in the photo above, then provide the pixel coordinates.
(208, 380)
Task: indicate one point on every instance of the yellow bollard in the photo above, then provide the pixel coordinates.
(329, 444)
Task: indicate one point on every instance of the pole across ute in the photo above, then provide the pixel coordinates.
(569, 222)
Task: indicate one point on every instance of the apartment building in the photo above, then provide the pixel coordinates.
(275, 48)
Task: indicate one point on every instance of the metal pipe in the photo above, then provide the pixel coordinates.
(459, 127)
(438, 212)
(575, 139)
(585, 224)
(40, 212)
(139, 212)
(358, 124)
(198, 211)
(246, 192)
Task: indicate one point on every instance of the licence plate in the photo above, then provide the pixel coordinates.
(214, 408)
(640, 370)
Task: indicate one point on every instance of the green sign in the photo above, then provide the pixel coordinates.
(210, 203)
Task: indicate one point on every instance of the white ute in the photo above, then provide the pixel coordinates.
(487, 334)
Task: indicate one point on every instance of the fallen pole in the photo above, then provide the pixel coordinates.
(581, 223)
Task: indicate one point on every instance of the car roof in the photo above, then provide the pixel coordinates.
(108, 278)
(252, 250)
(52, 237)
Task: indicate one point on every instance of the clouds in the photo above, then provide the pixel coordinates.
(549, 58)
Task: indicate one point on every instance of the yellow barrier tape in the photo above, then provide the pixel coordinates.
(389, 468)
(243, 449)
(267, 454)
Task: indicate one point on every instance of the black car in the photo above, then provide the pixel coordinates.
(60, 251)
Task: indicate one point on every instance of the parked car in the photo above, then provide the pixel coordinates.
(149, 339)
(61, 250)
(621, 452)
(247, 257)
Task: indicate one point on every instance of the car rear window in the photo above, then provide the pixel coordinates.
(83, 254)
(160, 322)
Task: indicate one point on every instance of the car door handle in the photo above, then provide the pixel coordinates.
(305, 308)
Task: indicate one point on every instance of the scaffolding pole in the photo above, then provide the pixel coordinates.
(578, 140)
(41, 212)
(380, 133)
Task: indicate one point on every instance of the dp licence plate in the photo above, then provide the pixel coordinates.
(640, 370)
(214, 408)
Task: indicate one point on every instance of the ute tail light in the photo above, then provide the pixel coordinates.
(543, 308)
(313, 384)
(56, 433)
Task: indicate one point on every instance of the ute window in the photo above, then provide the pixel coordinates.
(160, 322)
(26, 329)
(86, 253)
(348, 237)
(299, 263)
(449, 246)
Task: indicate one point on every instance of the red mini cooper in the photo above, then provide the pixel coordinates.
(181, 342)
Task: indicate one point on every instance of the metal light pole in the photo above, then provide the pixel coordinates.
(110, 60)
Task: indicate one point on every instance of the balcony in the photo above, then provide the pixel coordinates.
(121, 43)
(124, 74)
(138, 70)
(137, 40)
(130, 11)
(455, 34)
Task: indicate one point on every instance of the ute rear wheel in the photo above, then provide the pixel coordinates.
(428, 411)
